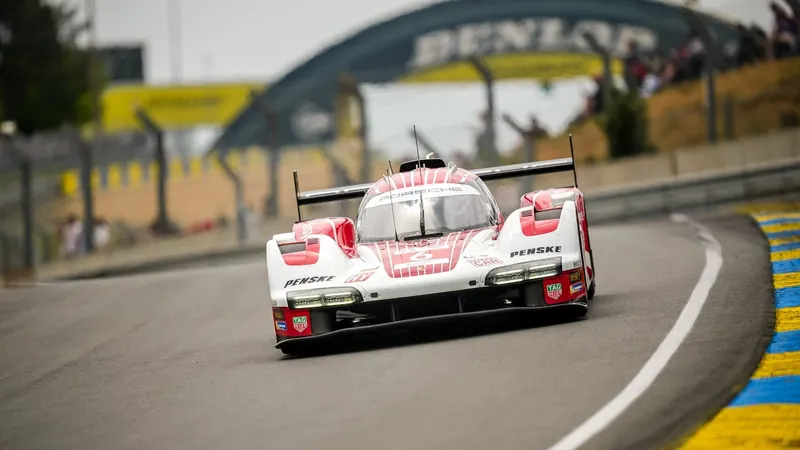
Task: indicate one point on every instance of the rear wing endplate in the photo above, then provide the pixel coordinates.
(488, 174)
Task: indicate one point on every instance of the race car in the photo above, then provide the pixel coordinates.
(429, 241)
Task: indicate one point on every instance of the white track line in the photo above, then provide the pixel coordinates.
(668, 347)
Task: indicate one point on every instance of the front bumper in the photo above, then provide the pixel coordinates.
(306, 325)
(577, 306)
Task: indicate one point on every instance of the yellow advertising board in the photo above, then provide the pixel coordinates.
(533, 66)
(173, 107)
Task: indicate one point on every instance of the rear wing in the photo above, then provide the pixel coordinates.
(489, 174)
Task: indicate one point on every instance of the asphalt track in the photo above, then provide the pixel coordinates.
(185, 359)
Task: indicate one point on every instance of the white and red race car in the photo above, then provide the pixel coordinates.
(429, 241)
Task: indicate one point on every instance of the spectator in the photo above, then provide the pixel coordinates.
(749, 48)
(687, 61)
(695, 55)
(785, 33)
(71, 236)
(102, 233)
(670, 72)
(635, 66)
(763, 41)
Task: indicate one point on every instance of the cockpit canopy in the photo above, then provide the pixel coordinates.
(447, 208)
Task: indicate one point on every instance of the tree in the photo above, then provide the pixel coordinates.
(43, 73)
(625, 122)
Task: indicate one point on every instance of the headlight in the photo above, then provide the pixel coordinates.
(533, 270)
(317, 298)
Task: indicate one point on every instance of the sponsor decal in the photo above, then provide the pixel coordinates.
(308, 280)
(575, 287)
(575, 276)
(360, 277)
(300, 323)
(528, 35)
(483, 261)
(537, 250)
(409, 194)
(280, 325)
(277, 313)
(554, 291)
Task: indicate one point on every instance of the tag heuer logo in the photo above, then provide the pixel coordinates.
(300, 323)
(553, 291)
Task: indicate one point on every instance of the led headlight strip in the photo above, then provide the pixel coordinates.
(318, 298)
(528, 271)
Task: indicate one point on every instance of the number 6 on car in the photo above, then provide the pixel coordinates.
(421, 256)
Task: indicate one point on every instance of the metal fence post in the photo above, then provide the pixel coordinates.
(488, 80)
(709, 69)
(272, 154)
(529, 143)
(26, 183)
(241, 209)
(8, 132)
(366, 154)
(87, 194)
(162, 224)
(349, 86)
(340, 176)
(608, 77)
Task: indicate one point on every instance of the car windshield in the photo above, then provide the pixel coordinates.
(446, 213)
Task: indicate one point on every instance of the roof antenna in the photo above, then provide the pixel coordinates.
(416, 142)
(391, 170)
(572, 155)
(421, 205)
(391, 204)
(296, 194)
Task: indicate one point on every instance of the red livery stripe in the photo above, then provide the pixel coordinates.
(417, 258)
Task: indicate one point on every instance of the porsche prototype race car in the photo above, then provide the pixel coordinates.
(429, 241)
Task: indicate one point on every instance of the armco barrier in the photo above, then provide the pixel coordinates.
(697, 192)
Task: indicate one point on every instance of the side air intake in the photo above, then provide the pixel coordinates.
(548, 214)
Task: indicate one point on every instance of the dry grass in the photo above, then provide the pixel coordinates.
(761, 95)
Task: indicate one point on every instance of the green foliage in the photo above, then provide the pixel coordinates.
(626, 124)
(44, 74)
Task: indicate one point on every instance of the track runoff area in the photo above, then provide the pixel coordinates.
(766, 413)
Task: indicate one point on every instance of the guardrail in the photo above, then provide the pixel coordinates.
(703, 191)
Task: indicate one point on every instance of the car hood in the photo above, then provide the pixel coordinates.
(426, 256)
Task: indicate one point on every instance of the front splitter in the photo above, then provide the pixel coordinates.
(580, 306)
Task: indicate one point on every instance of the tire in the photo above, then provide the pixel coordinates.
(590, 291)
